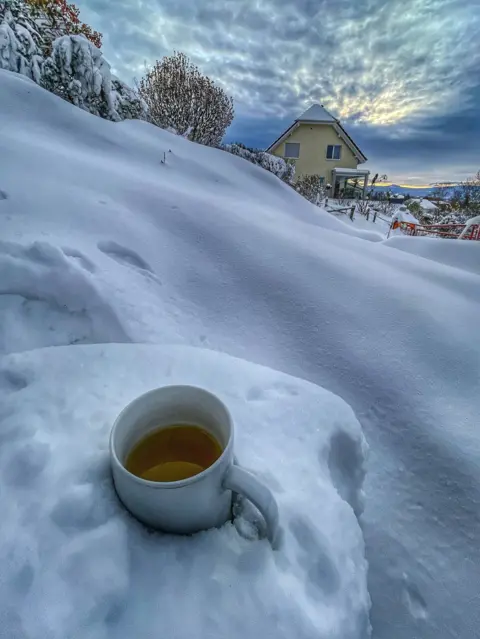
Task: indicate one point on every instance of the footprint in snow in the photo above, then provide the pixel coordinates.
(322, 575)
(415, 603)
(11, 382)
(345, 463)
(276, 391)
(25, 463)
(79, 508)
(79, 258)
(125, 256)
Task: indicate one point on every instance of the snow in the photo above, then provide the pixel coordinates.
(341, 171)
(104, 242)
(379, 229)
(402, 214)
(464, 254)
(473, 221)
(426, 205)
(75, 564)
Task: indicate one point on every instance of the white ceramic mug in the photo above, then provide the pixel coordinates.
(196, 503)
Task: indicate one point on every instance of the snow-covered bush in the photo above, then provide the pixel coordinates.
(453, 217)
(126, 102)
(282, 169)
(278, 166)
(178, 95)
(311, 187)
(19, 40)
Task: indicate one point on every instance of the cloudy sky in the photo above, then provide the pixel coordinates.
(403, 76)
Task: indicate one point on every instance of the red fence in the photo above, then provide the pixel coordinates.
(439, 230)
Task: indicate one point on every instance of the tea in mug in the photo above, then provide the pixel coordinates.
(173, 453)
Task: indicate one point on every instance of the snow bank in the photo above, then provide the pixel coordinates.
(206, 249)
(426, 205)
(461, 254)
(43, 287)
(402, 214)
(74, 564)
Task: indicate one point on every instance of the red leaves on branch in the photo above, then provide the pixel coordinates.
(64, 19)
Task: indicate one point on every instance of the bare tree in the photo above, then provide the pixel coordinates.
(466, 197)
(363, 207)
(179, 96)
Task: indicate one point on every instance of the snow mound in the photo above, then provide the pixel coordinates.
(75, 564)
(402, 214)
(462, 254)
(190, 245)
(47, 298)
(59, 126)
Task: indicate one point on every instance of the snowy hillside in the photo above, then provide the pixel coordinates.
(122, 232)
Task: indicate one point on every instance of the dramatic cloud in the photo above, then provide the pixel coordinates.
(394, 70)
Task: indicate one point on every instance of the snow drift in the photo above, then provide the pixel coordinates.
(463, 254)
(168, 242)
(75, 564)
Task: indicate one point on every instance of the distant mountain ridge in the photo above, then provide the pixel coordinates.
(404, 190)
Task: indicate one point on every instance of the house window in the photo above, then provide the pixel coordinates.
(334, 151)
(292, 150)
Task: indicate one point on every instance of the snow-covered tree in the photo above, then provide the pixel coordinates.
(77, 72)
(56, 18)
(126, 102)
(19, 40)
(74, 69)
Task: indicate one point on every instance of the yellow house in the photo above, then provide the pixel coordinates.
(319, 145)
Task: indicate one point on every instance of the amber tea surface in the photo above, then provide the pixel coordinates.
(173, 453)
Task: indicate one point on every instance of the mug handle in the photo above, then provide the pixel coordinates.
(241, 481)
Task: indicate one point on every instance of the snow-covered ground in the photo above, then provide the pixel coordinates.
(74, 564)
(103, 242)
(381, 225)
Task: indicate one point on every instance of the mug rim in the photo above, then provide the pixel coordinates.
(181, 482)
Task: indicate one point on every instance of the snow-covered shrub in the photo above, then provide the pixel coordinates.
(77, 72)
(126, 102)
(278, 166)
(311, 187)
(19, 40)
(454, 217)
(282, 169)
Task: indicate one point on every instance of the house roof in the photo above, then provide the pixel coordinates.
(425, 204)
(355, 172)
(318, 114)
